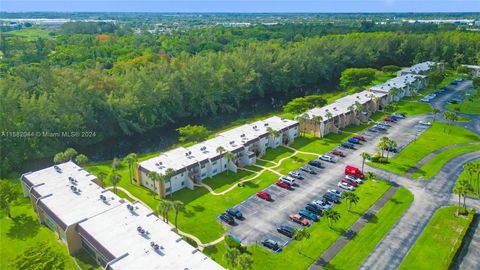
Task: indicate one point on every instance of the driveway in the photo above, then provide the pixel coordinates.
(429, 196)
(262, 217)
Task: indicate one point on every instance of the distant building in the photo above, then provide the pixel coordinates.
(117, 233)
(475, 70)
(202, 160)
(420, 68)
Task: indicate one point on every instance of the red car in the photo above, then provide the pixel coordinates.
(338, 153)
(282, 184)
(350, 182)
(264, 195)
(389, 120)
(360, 137)
(299, 219)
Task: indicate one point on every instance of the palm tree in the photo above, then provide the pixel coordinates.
(462, 188)
(114, 179)
(131, 159)
(70, 153)
(156, 177)
(220, 150)
(300, 235)
(169, 173)
(245, 261)
(177, 206)
(435, 111)
(59, 158)
(332, 216)
(230, 157)
(162, 205)
(101, 177)
(317, 119)
(369, 175)
(168, 207)
(364, 156)
(390, 144)
(302, 119)
(329, 116)
(383, 144)
(351, 198)
(116, 163)
(231, 255)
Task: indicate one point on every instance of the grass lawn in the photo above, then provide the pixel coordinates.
(470, 105)
(225, 180)
(321, 235)
(312, 144)
(355, 252)
(439, 241)
(436, 163)
(23, 231)
(275, 154)
(472, 180)
(294, 163)
(432, 139)
(31, 32)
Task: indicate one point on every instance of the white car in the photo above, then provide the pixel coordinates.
(358, 180)
(346, 186)
(336, 192)
(399, 116)
(287, 179)
(326, 158)
(322, 204)
(425, 123)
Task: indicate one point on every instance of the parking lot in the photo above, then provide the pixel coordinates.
(261, 218)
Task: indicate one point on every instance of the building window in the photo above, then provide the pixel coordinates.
(167, 190)
(225, 166)
(214, 163)
(182, 174)
(183, 183)
(215, 171)
(203, 166)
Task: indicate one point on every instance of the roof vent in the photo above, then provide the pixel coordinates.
(103, 198)
(57, 169)
(266, 124)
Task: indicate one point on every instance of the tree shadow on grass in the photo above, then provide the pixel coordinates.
(198, 208)
(23, 226)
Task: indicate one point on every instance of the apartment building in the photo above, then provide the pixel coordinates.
(207, 159)
(401, 86)
(69, 201)
(420, 68)
(475, 70)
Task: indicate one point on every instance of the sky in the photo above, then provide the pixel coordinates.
(242, 5)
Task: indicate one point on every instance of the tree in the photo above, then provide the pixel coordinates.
(302, 119)
(390, 144)
(435, 111)
(369, 175)
(114, 180)
(193, 133)
(81, 160)
(161, 207)
(351, 198)
(231, 255)
(40, 256)
(177, 206)
(461, 189)
(476, 82)
(436, 77)
(273, 133)
(101, 177)
(317, 119)
(156, 178)
(245, 261)
(332, 217)
(300, 105)
(229, 156)
(8, 194)
(131, 159)
(357, 77)
(169, 173)
(116, 163)
(220, 150)
(300, 235)
(364, 156)
(70, 153)
(383, 144)
(329, 116)
(60, 158)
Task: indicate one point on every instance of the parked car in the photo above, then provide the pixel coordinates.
(337, 152)
(327, 158)
(372, 129)
(316, 163)
(350, 182)
(354, 171)
(346, 186)
(425, 100)
(360, 137)
(393, 117)
(338, 193)
(308, 169)
(282, 184)
(425, 123)
(385, 123)
(296, 174)
(323, 204)
(287, 179)
(380, 127)
(308, 215)
(348, 145)
(227, 218)
(389, 120)
(330, 197)
(271, 244)
(264, 195)
(234, 212)
(299, 219)
(358, 180)
(397, 115)
(286, 230)
(392, 149)
(354, 140)
(401, 114)
(314, 208)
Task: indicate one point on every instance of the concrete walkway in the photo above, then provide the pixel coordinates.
(341, 242)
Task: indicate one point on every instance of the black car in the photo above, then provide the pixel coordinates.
(308, 169)
(269, 243)
(235, 213)
(286, 230)
(392, 149)
(227, 218)
(313, 208)
(315, 163)
(330, 197)
(348, 145)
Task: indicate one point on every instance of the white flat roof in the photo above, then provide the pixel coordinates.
(70, 207)
(361, 97)
(398, 82)
(116, 231)
(424, 66)
(472, 67)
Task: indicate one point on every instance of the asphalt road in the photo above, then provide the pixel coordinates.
(262, 217)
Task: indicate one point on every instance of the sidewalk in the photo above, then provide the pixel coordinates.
(336, 247)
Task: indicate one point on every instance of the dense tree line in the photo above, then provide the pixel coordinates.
(154, 90)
